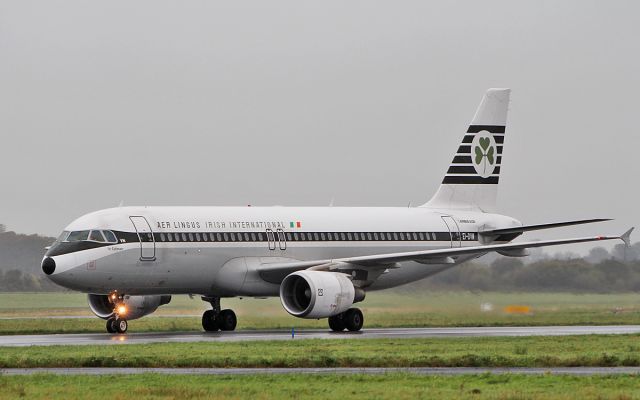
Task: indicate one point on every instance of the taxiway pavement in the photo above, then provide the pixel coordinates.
(248, 335)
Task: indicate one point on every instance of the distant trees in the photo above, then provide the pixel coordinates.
(551, 275)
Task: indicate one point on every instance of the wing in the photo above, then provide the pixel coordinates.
(527, 228)
(275, 271)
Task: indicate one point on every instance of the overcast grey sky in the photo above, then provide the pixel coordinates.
(293, 103)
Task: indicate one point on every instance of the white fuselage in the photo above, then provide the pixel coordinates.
(218, 251)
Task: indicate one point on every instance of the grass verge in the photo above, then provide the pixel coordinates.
(381, 309)
(564, 351)
(257, 387)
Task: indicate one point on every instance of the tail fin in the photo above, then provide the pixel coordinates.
(471, 181)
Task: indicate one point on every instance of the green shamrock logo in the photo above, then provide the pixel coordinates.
(484, 153)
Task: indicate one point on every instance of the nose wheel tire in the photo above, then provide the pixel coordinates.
(122, 325)
(227, 320)
(111, 325)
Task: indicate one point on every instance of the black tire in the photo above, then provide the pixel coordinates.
(227, 320)
(336, 323)
(121, 325)
(353, 319)
(209, 322)
(111, 325)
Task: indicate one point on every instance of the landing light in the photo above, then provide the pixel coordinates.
(122, 310)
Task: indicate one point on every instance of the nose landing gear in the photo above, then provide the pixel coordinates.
(216, 319)
(117, 323)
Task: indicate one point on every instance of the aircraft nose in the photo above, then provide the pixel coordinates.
(48, 265)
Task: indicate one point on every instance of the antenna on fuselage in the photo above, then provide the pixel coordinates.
(333, 199)
(121, 203)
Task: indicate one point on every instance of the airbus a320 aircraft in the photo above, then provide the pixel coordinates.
(318, 260)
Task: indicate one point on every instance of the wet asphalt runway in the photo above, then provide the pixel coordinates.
(237, 336)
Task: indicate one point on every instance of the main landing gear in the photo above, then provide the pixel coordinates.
(352, 320)
(117, 323)
(215, 319)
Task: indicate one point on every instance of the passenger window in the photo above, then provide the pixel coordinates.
(197, 237)
(343, 236)
(315, 236)
(163, 237)
(349, 236)
(77, 236)
(369, 237)
(170, 237)
(246, 237)
(191, 237)
(111, 238)
(218, 237)
(233, 236)
(184, 237)
(322, 236)
(96, 236)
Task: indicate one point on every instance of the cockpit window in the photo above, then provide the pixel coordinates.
(96, 236)
(111, 238)
(77, 236)
(63, 236)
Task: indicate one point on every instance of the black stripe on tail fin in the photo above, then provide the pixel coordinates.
(471, 181)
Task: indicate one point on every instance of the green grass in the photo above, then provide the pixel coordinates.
(382, 309)
(565, 351)
(261, 387)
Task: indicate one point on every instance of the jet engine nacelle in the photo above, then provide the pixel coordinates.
(135, 306)
(318, 294)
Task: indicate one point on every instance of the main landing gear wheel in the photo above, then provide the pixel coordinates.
(352, 319)
(336, 323)
(216, 319)
(227, 320)
(209, 321)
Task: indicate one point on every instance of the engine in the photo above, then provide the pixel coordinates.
(318, 294)
(134, 306)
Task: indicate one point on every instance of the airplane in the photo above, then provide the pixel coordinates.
(318, 260)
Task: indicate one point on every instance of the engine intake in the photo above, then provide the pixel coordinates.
(318, 294)
(136, 306)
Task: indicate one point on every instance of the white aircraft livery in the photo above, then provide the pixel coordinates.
(318, 260)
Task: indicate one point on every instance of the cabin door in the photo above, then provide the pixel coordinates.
(454, 230)
(145, 234)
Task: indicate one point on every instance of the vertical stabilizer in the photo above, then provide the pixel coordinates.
(471, 182)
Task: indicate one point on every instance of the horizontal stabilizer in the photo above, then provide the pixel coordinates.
(527, 228)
